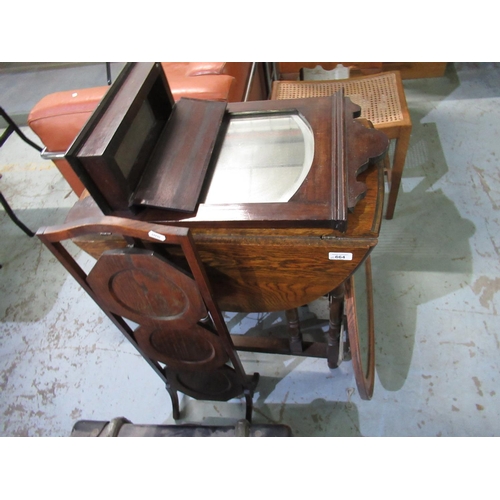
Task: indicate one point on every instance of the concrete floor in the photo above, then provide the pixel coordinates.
(436, 277)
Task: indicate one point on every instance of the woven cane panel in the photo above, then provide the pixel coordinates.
(377, 96)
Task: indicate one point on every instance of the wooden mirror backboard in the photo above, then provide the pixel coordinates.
(287, 163)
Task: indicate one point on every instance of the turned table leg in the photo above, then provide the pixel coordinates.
(335, 325)
(292, 319)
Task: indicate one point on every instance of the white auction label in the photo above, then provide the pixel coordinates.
(340, 255)
(156, 236)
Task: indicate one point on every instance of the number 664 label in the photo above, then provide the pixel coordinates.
(340, 255)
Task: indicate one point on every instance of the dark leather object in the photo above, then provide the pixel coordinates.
(121, 427)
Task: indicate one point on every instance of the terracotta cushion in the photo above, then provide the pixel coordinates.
(58, 117)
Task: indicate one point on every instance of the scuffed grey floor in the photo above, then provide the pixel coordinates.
(436, 278)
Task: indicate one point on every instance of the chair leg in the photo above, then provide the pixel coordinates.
(249, 392)
(386, 163)
(398, 164)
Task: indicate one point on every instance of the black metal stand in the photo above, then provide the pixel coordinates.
(108, 73)
(13, 217)
(11, 128)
